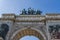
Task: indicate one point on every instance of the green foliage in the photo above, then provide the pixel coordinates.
(54, 28)
(4, 28)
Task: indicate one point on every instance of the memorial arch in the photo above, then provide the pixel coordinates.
(28, 32)
(31, 25)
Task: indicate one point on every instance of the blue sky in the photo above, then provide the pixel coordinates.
(15, 6)
(29, 38)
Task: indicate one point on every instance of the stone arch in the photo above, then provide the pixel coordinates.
(25, 32)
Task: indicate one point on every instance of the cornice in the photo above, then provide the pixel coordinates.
(30, 18)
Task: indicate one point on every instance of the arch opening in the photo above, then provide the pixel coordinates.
(27, 32)
(29, 38)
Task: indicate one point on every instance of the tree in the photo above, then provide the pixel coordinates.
(51, 28)
(57, 27)
(4, 28)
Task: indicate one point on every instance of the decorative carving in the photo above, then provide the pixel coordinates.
(4, 28)
(55, 31)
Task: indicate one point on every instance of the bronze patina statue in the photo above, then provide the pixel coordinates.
(31, 11)
(23, 12)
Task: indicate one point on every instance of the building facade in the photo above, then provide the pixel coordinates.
(14, 27)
